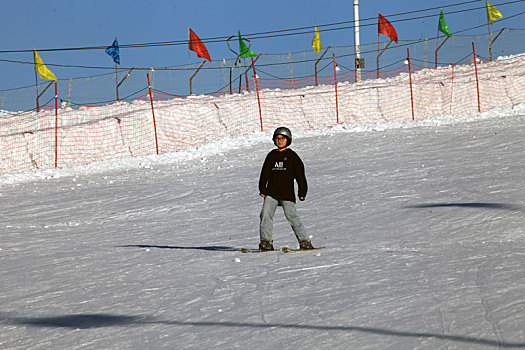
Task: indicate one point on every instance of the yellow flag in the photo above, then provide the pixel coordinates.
(493, 13)
(316, 42)
(41, 68)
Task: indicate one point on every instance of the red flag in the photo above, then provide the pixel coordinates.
(384, 27)
(195, 44)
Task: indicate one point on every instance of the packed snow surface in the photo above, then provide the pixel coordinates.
(422, 222)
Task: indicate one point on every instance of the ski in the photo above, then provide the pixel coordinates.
(283, 250)
(248, 250)
(290, 250)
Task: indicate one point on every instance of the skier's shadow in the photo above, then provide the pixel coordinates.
(213, 248)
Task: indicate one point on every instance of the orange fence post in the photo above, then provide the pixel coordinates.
(335, 84)
(477, 80)
(410, 78)
(153, 113)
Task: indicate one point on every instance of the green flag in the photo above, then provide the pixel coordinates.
(244, 51)
(442, 27)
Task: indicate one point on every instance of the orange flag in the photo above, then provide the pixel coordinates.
(384, 27)
(195, 44)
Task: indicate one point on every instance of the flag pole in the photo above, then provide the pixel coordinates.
(37, 94)
(36, 82)
(437, 47)
(377, 75)
(189, 59)
(380, 53)
(488, 26)
(116, 79)
(437, 38)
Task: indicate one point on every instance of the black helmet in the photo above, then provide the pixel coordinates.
(284, 132)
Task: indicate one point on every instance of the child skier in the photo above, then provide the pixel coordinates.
(276, 185)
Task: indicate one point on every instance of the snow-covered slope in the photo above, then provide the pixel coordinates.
(423, 225)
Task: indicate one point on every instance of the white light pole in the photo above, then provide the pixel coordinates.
(358, 62)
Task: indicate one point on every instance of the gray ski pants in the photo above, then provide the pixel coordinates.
(267, 213)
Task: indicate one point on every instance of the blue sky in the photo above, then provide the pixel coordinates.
(46, 24)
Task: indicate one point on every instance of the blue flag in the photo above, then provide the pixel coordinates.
(113, 51)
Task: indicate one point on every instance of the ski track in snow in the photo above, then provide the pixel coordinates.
(422, 224)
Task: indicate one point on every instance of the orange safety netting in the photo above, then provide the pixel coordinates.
(135, 127)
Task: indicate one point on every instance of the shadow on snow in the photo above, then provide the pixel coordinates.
(84, 321)
(502, 206)
(207, 248)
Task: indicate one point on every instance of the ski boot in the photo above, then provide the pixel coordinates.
(305, 245)
(265, 246)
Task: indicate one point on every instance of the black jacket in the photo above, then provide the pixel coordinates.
(278, 173)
